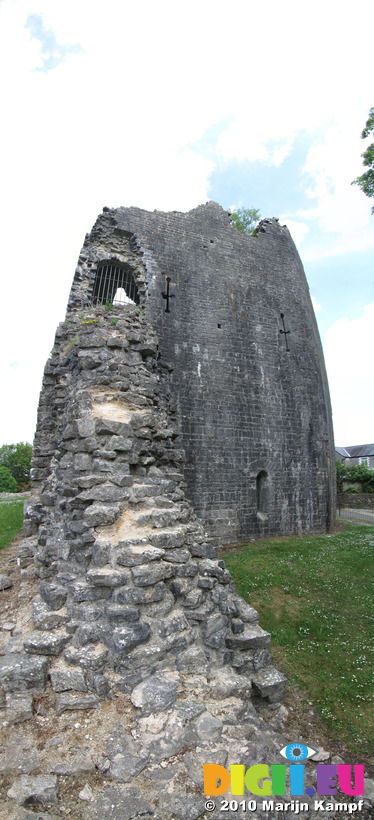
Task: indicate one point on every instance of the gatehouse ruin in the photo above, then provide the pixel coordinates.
(184, 406)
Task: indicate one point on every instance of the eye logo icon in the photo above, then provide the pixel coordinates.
(297, 752)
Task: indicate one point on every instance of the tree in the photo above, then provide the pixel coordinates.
(17, 459)
(359, 473)
(366, 180)
(8, 484)
(246, 219)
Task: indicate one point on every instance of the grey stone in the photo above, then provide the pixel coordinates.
(148, 575)
(19, 707)
(88, 657)
(177, 622)
(270, 683)
(47, 643)
(71, 702)
(208, 726)
(130, 636)
(45, 618)
(53, 595)
(107, 577)
(34, 790)
(144, 595)
(168, 540)
(81, 591)
(86, 793)
(104, 492)
(138, 554)
(5, 582)
(155, 694)
(252, 638)
(99, 514)
(178, 556)
(64, 677)
(126, 766)
(19, 673)
(120, 803)
(117, 613)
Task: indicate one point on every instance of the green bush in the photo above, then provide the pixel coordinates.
(8, 484)
(360, 473)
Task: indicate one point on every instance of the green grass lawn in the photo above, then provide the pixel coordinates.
(315, 595)
(11, 518)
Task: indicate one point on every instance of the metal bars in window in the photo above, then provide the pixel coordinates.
(114, 284)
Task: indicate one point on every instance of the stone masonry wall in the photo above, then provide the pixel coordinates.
(252, 403)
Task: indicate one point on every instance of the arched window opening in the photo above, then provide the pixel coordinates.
(114, 283)
(262, 493)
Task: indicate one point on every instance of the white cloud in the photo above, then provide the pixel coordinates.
(348, 355)
(298, 230)
(117, 123)
(316, 305)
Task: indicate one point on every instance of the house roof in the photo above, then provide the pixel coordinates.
(357, 451)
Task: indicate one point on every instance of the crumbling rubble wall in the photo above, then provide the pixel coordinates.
(129, 583)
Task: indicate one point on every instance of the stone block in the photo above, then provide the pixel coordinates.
(20, 673)
(168, 540)
(45, 618)
(270, 684)
(130, 636)
(253, 637)
(70, 702)
(88, 657)
(117, 613)
(64, 677)
(155, 694)
(147, 575)
(138, 554)
(34, 790)
(143, 595)
(19, 707)
(47, 643)
(53, 595)
(100, 514)
(107, 577)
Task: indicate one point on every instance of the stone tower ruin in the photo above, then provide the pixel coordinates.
(185, 405)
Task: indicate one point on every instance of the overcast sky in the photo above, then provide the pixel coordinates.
(167, 105)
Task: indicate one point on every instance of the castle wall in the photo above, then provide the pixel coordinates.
(251, 402)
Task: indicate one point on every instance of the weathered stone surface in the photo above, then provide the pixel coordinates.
(270, 683)
(71, 701)
(107, 577)
(45, 618)
(144, 595)
(155, 694)
(19, 673)
(119, 803)
(5, 582)
(88, 657)
(251, 638)
(65, 677)
(130, 636)
(208, 727)
(34, 790)
(126, 766)
(98, 514)
(47, 643)
(19, 707)
(138, 554)
(53, 595)
(145, 575)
